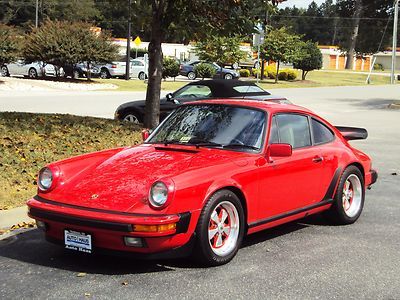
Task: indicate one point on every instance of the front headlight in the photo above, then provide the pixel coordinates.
(45, 179)
(158, 194)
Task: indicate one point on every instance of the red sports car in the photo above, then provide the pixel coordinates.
(210, 173)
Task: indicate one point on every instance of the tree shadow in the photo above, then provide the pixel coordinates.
(373, 103)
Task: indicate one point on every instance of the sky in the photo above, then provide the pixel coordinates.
(299, 3)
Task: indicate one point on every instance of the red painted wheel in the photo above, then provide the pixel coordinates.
(220, 229)
(223, 229)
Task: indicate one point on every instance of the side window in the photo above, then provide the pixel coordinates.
(294, 130)
(274, 137)
(321, 133)
(194, 91)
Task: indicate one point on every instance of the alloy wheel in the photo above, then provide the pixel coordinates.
(223, 228)
(352, 195)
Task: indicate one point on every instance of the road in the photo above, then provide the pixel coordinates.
(307, 259)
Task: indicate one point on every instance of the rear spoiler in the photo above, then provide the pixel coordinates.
(353, 133)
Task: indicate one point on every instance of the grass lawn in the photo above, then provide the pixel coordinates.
(314, 79)
(30, 141)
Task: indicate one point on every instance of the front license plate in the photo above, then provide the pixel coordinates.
(78, 241)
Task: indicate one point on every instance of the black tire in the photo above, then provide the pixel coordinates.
(191, 75)
(131, 116)
(104, 74)
(142, 76)
(32, 73)
(228, 76)
(203, 251)
(5, 72)
(337, 214)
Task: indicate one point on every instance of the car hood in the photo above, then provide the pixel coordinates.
(121, 182)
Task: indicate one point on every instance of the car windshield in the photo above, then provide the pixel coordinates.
(221, 126)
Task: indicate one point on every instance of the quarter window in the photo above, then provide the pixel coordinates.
(321, 133)
(294, 130)
(274, 137)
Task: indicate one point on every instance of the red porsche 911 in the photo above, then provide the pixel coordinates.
(212, 172)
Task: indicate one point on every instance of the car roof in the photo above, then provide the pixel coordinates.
(268, 106)
(225, 88)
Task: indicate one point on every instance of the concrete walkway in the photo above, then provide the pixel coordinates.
(13, 216)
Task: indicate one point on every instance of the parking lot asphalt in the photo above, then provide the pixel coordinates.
(307, 259)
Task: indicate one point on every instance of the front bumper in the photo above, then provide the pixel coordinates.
(109, 228)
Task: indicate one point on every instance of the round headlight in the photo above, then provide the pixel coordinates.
(45, 179)
(158, 194)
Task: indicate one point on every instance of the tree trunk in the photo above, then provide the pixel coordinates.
(277, 71)
(152, 108)
(88, 73)
(354, 35)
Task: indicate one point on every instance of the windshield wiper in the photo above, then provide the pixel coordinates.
(207, 144)
(198, 142)
(175, 142)
(241, 146)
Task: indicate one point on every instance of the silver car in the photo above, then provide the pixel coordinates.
(31, 70)
(138, 69)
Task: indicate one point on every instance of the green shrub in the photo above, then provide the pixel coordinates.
(379, 67)
(170, 68)
(204, 70)
(283, 75)
(244, 73)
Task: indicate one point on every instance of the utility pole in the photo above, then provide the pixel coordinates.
(128, 44)
(37, 14)
(394, 50)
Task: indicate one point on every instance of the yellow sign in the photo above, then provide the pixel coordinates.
(137, 41)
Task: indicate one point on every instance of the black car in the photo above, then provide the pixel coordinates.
(203, 89)
(188, 70)
(80, 71)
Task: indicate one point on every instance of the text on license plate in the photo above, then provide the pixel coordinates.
(78, 241)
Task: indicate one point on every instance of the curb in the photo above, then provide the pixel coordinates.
(14, 216)
(13, 233)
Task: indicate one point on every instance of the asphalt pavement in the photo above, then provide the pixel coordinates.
(307, 259)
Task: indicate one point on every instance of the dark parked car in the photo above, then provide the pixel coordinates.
(203, 89)
(222, 73)
(80, 71)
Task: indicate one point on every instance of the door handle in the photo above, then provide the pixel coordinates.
(318, 159)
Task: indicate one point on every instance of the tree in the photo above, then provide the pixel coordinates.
(223, 50)
(9, 44)
(369, 20)
(22, 13)
(206, 18)
(65, 44)
(308, 58)
(351, 48)
(279, 46)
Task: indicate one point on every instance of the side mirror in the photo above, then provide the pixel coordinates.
(280, 150)
(145, 134)
(169, 97)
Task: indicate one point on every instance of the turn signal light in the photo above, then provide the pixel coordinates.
(154, 228)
